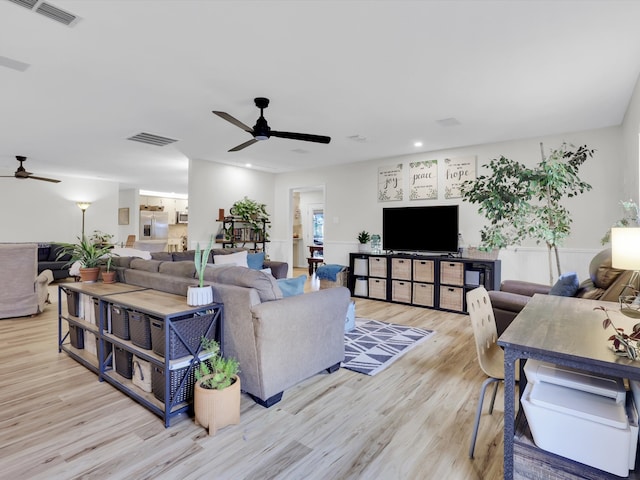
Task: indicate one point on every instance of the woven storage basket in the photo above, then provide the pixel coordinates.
(451, 298)
(473, 252)
(178, 370)
(341, 280)
(123, 360)
(72, 302)
(141, 374)
(140, 330)
(452, 273)
(191, 328)
(120, 322)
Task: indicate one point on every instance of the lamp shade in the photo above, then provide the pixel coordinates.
(83, 205)
(625, 248)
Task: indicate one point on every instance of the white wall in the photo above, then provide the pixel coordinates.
(351, 200)
(213, 186)
(35, 211)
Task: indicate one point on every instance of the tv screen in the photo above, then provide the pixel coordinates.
(420, 229)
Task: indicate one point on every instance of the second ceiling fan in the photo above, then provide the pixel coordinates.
(262, 131)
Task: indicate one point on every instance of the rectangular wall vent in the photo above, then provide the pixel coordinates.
(152, 139)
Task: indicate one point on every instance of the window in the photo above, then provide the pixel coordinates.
(318, 227)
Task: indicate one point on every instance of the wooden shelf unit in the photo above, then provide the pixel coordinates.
(168, 308)
(243, 234)
(420, 280)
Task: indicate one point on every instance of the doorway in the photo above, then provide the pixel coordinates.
(307, 212)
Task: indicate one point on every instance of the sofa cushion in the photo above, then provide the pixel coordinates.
(145, 265)
(292, 286)
(238, 258)
(566, 286)
(178, 269)
(124, 262)
(164, 256)
(255, 260)
(265, 284)
(43, 253)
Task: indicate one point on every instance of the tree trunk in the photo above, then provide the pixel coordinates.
(555, 248)
(550, 264)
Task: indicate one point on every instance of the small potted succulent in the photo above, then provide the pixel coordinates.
(108, 275)
(216, 396)
(363, 238)
(200, 294)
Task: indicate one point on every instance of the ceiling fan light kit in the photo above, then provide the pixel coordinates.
(262, 131)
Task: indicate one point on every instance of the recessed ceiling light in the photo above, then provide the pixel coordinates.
(417, 144)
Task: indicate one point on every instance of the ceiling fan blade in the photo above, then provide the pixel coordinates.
(243, 145)
(45, 179)
(233, 120)
(301, 136)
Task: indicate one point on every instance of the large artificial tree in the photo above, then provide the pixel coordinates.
(526, 203)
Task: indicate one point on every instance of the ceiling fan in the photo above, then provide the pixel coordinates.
(22, 174)
(262, 131)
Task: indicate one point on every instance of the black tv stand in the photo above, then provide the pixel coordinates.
(433, 281)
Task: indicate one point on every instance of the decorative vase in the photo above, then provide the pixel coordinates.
(216, 409)
(109, 277)
(197, 296)
(89, 275)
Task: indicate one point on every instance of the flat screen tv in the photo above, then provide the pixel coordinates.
(420, 229)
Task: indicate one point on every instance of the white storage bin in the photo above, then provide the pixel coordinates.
(584, 427)
(362, 287)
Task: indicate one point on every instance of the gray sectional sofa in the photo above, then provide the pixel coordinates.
(278, 341)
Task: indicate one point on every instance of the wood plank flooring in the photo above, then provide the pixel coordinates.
(411, 421)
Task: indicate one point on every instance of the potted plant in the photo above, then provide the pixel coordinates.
(200, 294)
(521, 202)
(108, 275)
(363, 238)
(88, 254)
(216, 396)
(252, 213)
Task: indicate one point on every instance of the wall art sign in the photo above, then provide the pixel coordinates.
(423, 180)
(456, 171)
(123, 216)
(390, 183)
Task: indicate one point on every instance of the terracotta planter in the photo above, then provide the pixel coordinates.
(216, 409)
(197, 296)
(109, 277)
(89, 275)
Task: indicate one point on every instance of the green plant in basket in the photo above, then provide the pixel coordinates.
(216, 372)
(364, 236)
(200, 260)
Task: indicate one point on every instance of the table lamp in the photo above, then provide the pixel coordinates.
(625, 255)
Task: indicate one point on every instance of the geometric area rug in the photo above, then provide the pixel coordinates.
(373, 345)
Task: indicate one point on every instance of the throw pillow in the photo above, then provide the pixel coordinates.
(566, 286)
(255, 260)
(292, 286)
(239, 259)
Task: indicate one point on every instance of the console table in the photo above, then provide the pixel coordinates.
(564, 331)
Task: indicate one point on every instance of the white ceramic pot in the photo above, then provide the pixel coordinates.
(197, 296)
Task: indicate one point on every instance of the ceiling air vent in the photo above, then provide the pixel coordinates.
(49, 11)
(152, 139)
(55, 13)
(25, 3)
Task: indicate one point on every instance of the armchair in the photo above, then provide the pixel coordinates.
(604, 283)
(22, 291)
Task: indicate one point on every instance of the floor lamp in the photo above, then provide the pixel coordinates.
(625, 255)
(83, 206)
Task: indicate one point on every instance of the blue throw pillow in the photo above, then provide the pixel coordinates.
(566, 286)
(255, 260)
(292, 286)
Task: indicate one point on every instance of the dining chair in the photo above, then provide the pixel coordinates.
(490, 355)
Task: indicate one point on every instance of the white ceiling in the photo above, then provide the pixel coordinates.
(385, 71)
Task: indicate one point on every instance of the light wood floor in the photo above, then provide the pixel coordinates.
(411, 421)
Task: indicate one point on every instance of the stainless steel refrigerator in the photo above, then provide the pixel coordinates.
(154, 225)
